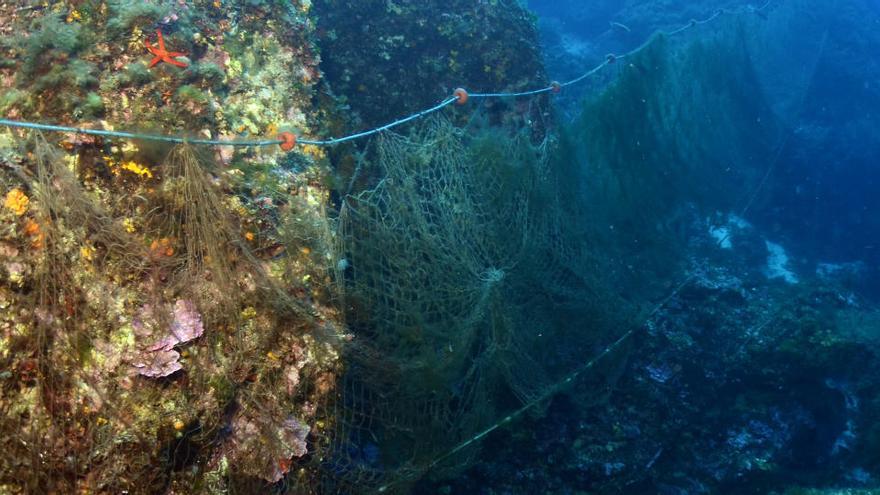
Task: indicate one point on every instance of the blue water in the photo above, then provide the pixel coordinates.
(758, 376)
(820, 72)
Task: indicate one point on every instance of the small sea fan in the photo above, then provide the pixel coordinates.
(187, 324)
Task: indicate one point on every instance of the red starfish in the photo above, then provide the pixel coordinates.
(163, 55)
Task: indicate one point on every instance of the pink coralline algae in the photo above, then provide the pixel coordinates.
(186, 326)
(293, 440)
(160, 359)
(158, 363)
(294, 434)
(267, 444)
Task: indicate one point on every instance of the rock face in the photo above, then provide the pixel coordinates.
(151, 298)
(238, 70)
(388, 59)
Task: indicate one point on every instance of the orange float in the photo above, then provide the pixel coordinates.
(461, 96)
(288, 141)
(555, 87)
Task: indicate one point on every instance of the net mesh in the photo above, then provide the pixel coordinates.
(472, 271)
(465, 281)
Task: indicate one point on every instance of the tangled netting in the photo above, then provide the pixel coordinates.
(470, 290)
(482, 271)
(148, 348)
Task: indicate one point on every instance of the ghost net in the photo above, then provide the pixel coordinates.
(465, 281)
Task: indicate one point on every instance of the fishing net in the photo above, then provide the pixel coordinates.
(464, 288)
(482, 271)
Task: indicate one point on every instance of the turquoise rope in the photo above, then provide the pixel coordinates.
(335, 141)
(136, 135)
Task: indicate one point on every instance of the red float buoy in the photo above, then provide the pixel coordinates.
(461, 96)
(555, 87)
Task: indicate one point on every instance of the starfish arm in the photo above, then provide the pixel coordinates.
(162, 54)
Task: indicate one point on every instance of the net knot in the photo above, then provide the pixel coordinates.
(492, 275)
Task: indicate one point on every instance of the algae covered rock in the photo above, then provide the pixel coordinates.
(152, 300)
(386, 59)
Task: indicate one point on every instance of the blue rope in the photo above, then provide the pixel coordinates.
(511, 95)
(335, 141)
(136, 135)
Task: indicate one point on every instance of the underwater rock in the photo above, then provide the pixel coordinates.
(778, 264)
(389, 58)
(118, 265)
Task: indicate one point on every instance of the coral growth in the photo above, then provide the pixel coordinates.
(16, 201)
(272, 445)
